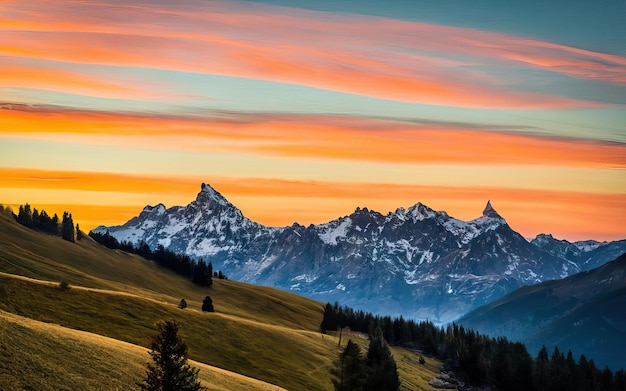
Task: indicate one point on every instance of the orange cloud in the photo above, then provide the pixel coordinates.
(426, 64)
(315, 136)
(276, 202)
(96, 181)
(61, 80)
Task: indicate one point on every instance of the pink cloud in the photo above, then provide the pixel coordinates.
(377, 57)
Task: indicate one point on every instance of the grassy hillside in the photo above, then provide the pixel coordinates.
(86, 263)
(47, 357)
(258, 332)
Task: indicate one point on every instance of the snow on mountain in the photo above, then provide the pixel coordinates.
(587, 254)
(588, 245)
(415, 262)
(331, 232)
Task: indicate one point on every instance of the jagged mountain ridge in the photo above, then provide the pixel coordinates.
(587, 254)
(415, 262)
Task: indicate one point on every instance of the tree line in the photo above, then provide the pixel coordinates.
(481, 360)
(199, 272)
(41, 221)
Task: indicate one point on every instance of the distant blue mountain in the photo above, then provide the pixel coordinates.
(585, 312)
(415, 262)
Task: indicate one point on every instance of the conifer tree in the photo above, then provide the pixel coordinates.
(169, 370)
(202, 273)
(542, 369)
(25, 215)
(382, 369)
(329, 320)
(350, 372)
(67, 227)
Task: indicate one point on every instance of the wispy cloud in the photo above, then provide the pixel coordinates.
(313, 136)
(372, 56)
(24, 76)
(181, 66)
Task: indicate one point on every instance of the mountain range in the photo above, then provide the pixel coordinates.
(583, 312)
(415, 262)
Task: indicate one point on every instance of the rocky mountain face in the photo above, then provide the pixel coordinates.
(584, 313)
(414, 262)
(587, 254)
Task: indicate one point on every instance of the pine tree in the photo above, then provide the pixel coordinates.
(169, 370)
(606, 378)
(79, 233)
(350, 371)
(382, 369)
(67, 227)
(329, 320)
(202, 273)
(542, 369)
(620, 381)
(572, 381)
(25, 215)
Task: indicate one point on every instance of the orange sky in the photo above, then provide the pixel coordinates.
(301, 114)
(276, 202)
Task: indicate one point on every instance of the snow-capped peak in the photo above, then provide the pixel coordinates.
(416, 261)
(546, 239)
(588, 245)
(417, 212)
(208, 195)
(420, 211)
(159, 209)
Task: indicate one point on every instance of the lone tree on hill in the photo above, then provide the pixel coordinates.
(79, 233)
(169, 370)
(207, 305)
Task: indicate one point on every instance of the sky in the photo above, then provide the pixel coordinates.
(302, 111)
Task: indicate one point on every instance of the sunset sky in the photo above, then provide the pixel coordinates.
(304, 110)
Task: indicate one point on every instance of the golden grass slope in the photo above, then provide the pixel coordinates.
(86, 263)
(46, 357)
(257, 332)
(276, 354)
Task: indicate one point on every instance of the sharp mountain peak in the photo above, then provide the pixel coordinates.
(209, 195)
(489, 211)
(416, 262)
